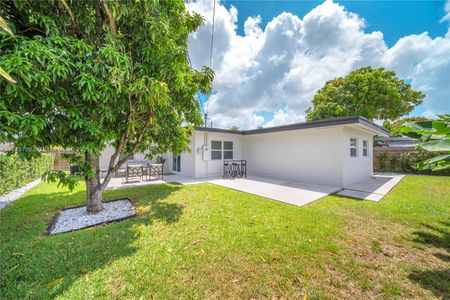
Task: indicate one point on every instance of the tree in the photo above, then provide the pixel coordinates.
(435, 137)
(395, 127)
(234, 128)
(367, 92)
(98, 72)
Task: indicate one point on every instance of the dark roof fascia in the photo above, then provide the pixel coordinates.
(305, 125)
(209, 129)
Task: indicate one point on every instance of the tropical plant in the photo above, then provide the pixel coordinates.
(96, 73)
(366, 92)
(234, 128)
(160, 160)
(395, 127)
(434, 137)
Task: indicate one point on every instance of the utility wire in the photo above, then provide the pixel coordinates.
(211, 48)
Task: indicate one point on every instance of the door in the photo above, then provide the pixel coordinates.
(176, 163)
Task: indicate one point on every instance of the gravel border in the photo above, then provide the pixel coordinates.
(76, 218)
(17, 193)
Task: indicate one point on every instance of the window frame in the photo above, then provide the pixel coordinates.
(365, 148)
(356, 147)
(228, 150)
(217, 150)
(222, 150)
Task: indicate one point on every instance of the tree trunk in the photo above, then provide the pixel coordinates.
(94, 191)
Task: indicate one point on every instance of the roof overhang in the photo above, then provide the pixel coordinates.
(359, 122)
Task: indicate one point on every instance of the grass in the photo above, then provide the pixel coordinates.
(205, 241)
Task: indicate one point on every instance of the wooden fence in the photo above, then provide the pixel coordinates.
(389, 153)
(59, 163)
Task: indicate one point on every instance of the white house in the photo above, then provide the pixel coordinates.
(334, 151)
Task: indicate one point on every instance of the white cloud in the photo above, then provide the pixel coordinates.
(279, 68)
(447, 12)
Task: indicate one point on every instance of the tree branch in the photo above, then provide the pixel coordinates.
(112, 22)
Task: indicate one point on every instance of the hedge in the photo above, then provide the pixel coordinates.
(15, 172)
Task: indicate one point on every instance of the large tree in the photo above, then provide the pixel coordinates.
(367, 92)
(93, 72)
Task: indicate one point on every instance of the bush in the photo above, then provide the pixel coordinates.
(382, 161)
(394, 162)
(16, 172)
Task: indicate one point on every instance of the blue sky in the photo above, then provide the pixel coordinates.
(394, 18)
(271, 56)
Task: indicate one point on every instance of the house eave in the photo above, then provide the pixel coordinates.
(374, 128)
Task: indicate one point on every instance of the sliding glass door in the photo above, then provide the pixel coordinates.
(176, 163)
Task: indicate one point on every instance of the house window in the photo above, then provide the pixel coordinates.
(227, 150)
(365, 148)
(216, 150)
(353, 147)
(221, 150)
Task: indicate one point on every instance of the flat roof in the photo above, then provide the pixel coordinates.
(304, 125)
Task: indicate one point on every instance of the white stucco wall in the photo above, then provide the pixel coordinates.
(213, 168)
(187, 161)
(356, 169)
(106, 154)
(307, 155)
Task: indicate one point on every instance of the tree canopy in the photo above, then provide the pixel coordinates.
(367, 92)
(89, 73)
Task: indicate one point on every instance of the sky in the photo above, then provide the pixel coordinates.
(270, 57)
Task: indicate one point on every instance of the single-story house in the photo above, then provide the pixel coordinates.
(335, 152)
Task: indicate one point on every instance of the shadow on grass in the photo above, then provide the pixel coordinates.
(37, 266)
(438, 280)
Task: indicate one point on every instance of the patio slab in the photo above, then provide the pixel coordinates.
(295, 193)
(374, 188)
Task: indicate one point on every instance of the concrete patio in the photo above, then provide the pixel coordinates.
(295, 193)
(374, 188)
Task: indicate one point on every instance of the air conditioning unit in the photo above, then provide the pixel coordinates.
(205, 152)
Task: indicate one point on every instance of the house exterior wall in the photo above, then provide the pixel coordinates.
(213, 168)
(106, 154)
(307, 155)
(357, 168)
(187, 161)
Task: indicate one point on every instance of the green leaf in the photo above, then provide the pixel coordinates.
(437, 146)
(6, 75)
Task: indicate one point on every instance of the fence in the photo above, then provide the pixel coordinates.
(401, 159)
(59, 164)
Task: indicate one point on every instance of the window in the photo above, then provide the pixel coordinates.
(216, 150)
(353, 147)
(221, 150)
(365, 148)
(227, 150)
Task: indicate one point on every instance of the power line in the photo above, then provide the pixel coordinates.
(211, 50)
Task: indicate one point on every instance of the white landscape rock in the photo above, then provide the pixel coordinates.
(17, 193)
(78, 218)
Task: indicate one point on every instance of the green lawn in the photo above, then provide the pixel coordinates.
(204, 241)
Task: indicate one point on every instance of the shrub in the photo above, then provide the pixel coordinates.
(382, 161)
(404, 162)
(16, 172)
(394, 162)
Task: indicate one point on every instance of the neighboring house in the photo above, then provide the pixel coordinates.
(335, 151)
(396, 142)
